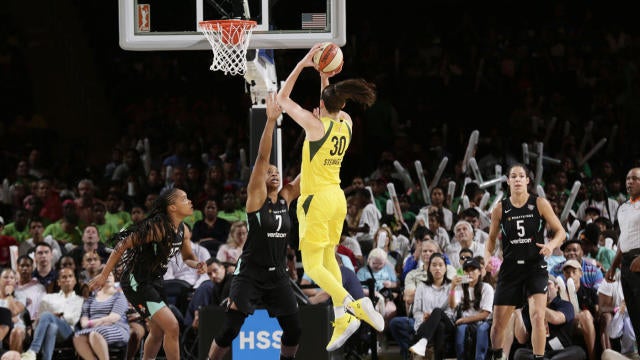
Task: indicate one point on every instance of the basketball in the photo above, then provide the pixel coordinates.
(329, 58)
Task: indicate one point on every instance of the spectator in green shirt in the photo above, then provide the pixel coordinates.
(231, 210)
(17, 229)
(66, 230)
(105, 229)
(118, 218)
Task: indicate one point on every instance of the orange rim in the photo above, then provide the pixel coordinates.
(215, 25)
(231, 31)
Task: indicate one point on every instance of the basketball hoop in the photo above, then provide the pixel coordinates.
(229, 41)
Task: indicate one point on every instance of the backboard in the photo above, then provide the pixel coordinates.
(282, 24)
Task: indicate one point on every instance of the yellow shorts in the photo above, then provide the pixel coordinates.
(321, 216)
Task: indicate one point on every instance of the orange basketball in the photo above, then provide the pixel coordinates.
(329, 58)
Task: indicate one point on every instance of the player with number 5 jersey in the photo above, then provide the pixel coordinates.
(322, 207)
(521, 220)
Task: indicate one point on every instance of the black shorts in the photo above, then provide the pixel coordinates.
(516, 282)
(147, 297)
(262, 288)
(6, 317)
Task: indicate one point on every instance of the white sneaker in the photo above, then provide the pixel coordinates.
(419, 347)
(363, 309)
(28, 355)
(343, 328)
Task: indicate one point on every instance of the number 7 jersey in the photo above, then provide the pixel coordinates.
(521, 229)
(269, 229)
(322, 159)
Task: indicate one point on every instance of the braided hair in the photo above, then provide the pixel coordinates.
(157, 227)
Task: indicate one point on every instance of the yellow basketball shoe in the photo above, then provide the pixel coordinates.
(343, 328)
(363, 309)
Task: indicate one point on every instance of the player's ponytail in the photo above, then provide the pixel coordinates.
(336, 95)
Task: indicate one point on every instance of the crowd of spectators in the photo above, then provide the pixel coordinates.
(564, 74)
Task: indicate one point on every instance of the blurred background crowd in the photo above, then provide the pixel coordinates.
(90, 134)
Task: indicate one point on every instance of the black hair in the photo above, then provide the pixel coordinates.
(138, 205)
(364, 194)
(43, 244)
(467, 250)
(471, 212)
(430, 279)
(336, 95)
(157, 227)
(438, 215)
(523, 166)
(59, 263)
(420, 232)
(213, 260)
(35, 219)
(24, 256)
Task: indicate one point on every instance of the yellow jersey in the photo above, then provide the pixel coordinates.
(322, 159)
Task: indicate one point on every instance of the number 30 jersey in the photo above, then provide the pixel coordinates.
(269, 228)
(522, 228)
(322, 159)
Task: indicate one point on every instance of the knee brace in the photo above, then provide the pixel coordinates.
(233, 321)
(291, 329)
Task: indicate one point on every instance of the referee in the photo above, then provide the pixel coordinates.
(627, 258)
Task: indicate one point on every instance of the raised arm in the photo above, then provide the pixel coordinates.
(303, 117)
(256, 189)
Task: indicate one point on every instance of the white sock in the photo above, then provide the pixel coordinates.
(338, 311)
(347, 300)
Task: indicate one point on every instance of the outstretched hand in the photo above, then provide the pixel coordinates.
(273, 109)
(331, 73)
(307, 60)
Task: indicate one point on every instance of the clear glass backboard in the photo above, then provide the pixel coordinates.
(282, 24)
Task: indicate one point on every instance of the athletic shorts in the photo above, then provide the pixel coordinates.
(146, 297)
(6, 317)
(516, 282)
(269, 289)
(321, 216)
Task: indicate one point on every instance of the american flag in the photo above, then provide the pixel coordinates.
(314, 20)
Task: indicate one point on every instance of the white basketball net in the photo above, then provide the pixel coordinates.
(229, 41)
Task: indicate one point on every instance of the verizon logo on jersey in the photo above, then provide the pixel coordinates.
(520, 241)
(276, 235)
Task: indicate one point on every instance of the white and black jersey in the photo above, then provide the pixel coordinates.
(269, 228)
(522, 228)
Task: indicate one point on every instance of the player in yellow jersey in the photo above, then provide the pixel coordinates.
(322, 206)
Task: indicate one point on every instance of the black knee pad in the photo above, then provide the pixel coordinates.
(233, 321)
(291, 329)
